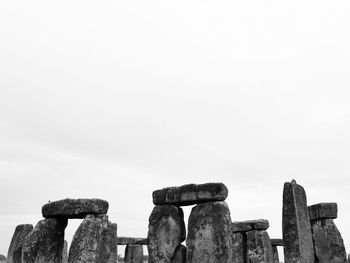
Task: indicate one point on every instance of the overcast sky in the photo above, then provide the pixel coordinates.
(115, 99)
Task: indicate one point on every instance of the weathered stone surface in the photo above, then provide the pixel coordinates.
(296, 228)
(65, 252)
(329, 245)
(133, 254)
(14, 254)
(74, 208)
(209, 237)
(2, 258)
(259, 246)
(239, 247)
(180, 255)
(45, 243)
(243, 226)
(190, 194)
(166, 231)
(323, 211)
(94, 241)
(278, 242)
(276, 258)
(131, 241)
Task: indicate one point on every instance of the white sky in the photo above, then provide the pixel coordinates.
(115, 99)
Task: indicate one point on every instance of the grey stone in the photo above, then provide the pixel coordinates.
(243, 226)
(209, 237)
(180, 255)
(329, 245)
(131, 241)
(276, 258)
(65, 252)
(74, 208)
(133, 254)
(14, 254)
(190, 194)
(94, 241)
(296, 228)
(278, 242)
(239, 247)
(323, 211)
(45, 243)
(166, 231)
(259, 246)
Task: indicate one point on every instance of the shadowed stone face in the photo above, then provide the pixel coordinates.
(74, 208)
(45, 243)
(259, 246)
(133, 254)
(239, 247)
(209, 237)
(131, 241)
(180, 255)
(296, 228)
(166, 231)
(14, 254)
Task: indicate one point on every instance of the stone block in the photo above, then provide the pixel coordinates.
(243, 226)
(276, 258)
(190, 194)
(259, 247)
(133, 254)
(180, 255)
(278, 242)
(131, 241)
(323, 211)
(14, 254)
(239, 247)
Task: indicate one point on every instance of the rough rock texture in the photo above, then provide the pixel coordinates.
(259, 246)
(276, 258)
(131, 241)
(277, 242)
(329, 245)
(74, 208)
(133, 254)
(190, 194)
(2, 258)
(45, 243)
(323, 211)
(166, 231)
(239, 247)
(65, 252)
(180, 255)
(209, 237)
(94, 241)
(243, 226)
(14, 254)
(296, 228)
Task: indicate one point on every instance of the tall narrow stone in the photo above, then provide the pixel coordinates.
(239, 247)
(180, 255)
(65, 252)
(276, 258)
(45, 243)
(296, 228)
(14, 254)
(133, 254)
(94, 241)
(259, 247)
(209, 237)
(166, 231)
(329, 245)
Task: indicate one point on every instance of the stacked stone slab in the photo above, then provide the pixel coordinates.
(296, 227)
(134, 248)
(328, 243)
(14, 254)
(251, 242)
(276, 242)
(208, 238)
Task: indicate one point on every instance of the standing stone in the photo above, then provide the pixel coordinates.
(133, 254)
(296, 228)
(259, 247)
(65, 252)
(180, 255)
(45, 243)
(209, 237)
(239, 247)
(329, 245)
(166, 231)
(94, 241)
(14, 254)
(276, 258)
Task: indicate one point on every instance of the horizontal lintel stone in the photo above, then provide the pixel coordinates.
(131, 241)
(244, 226)
(323, 211)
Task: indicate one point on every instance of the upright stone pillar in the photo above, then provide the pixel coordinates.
(180, 255)
(275, 242)
(94, 241)
(239, 247)
(209, 237)
(276, 258)
(328, 243)
(166, 231)
(296, 228)
(14, 254)
(133, 254)
(65, 252)
(45, 243)
(259, 247)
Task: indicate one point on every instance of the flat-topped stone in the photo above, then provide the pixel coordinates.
(131, 241)
(277, 242)
(244, 226)
(190, 194)
(74, 208)
(323, 211)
